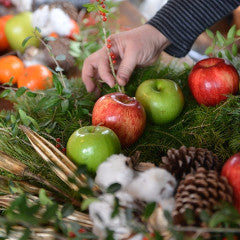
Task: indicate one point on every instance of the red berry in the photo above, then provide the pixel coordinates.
(103, 14)
(104, 19)
(103, 6)
(109, 45)
(71, 234)
(113, 56)
(81, 230)
(58, 140)
(58, 146)
(64, 150)
(145, 238)
(114, 61)
(109, 40)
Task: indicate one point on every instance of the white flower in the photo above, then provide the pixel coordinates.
(114, 170)
(152, 185)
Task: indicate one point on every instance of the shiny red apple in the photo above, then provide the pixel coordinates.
(211, 80)
(231, 170)
(121, 113)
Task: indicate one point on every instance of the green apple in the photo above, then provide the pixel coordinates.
(162, 100)
(92, 145)
(18, 28)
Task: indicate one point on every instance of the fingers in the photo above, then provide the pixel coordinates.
(126, 67)
(88, 76)
(96, 65)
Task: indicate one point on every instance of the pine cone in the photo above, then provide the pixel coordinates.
(180, 162)
(200, 191)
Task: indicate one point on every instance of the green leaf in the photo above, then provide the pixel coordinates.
(209, 50)
(228, 54)
(59, 69)
(231, 32)
(90, 7)
(49, 39)
(58, 85)
(51, 211)
(102, 9)
(64, 105)
(13, 119)
(24, 118)
(24, 42)
(67, 210)
(87, 202)
(220, 38)
(37, 29)
(209, 33)
(43, 198)
(26, 234)
(5, 93)
(229, 41)
(234, 49)
(31, 94)
(149, 210)
(114, 188)
(34, 122)
(61, 57)
(115, 211)
(21, 91)
(238, 32)
(15, 189)
(220, 54)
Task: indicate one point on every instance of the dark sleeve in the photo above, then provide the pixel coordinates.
(182, 21)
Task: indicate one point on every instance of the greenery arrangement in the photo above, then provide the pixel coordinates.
(55, 113)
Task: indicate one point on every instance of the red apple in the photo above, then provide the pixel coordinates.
(121, 113)
(211, 80)
(231, 170)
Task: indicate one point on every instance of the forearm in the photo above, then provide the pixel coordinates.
(181, 21)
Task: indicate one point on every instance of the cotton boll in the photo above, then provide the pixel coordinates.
(168, 204)
(100, 212)
(40, 19)
(22, 5)
(152, 185)
(125, 199)
(114, 170)
(60, 22)
(52, 20)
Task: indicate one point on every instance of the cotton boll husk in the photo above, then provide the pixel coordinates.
(152, 185)
(100, 212)
(114, 170)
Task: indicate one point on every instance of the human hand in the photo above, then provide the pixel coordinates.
(137, 47)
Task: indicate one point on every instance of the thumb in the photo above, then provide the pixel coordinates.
(126, 67)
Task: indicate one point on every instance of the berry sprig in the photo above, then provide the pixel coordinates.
(59, 145)
(100, 7)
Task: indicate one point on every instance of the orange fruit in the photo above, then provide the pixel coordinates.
(36, 77)
(10, 67)
(4, 44)
(75, 30)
